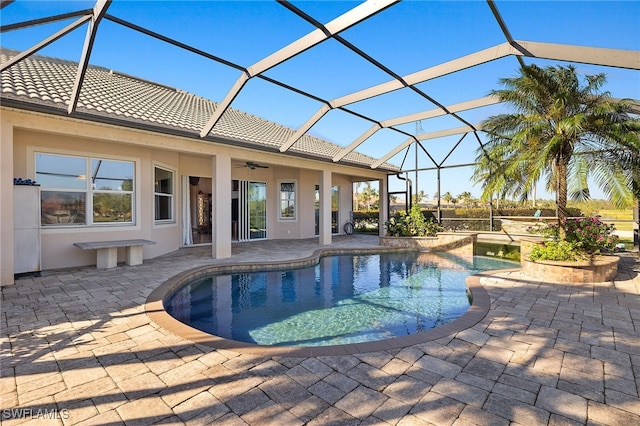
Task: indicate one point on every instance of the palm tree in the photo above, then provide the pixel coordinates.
(447, 197)
(465, 198)
(421, 195)
(367, 194)
(564, 130)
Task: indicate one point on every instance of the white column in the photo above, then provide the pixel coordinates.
(6, 200)
(221, 226)
(325, 207)
(384, 206)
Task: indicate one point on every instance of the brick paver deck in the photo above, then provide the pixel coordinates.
(78, 348)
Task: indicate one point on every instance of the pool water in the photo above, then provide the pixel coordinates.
(343, 299)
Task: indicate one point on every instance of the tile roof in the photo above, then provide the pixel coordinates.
(40, 82)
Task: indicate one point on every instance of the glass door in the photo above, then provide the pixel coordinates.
(335, 208)
(252, 210)
(196, 210)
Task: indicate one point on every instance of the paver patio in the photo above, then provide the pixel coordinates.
(78, 346)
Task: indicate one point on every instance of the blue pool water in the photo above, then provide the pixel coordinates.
(344, 299)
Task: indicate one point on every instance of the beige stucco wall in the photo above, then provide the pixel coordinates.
(57, 242)
(28, 132)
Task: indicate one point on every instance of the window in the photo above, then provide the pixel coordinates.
(163, 195)
(84, 191)
(287, 200)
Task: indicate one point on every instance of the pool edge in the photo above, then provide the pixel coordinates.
(155, 311)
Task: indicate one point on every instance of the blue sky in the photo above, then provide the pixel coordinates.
(407, 37)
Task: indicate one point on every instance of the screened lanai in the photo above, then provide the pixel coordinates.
(404, 82)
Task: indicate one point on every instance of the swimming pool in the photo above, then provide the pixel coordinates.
(344, 299)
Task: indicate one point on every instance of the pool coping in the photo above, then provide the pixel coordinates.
(155, 310)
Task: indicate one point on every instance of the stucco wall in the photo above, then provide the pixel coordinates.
(35, 132)
(57, 242)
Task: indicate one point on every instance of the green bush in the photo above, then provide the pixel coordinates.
(557, 250)
(366, 222)
(585, 237)
(412, 224)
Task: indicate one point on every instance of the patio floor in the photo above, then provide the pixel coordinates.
(78, 348)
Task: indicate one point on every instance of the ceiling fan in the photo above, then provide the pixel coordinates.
(253, 166)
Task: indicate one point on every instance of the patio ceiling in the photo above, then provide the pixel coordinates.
(380, 97)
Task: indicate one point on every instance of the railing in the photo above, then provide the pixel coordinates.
(511, 225)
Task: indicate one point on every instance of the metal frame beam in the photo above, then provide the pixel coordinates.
(464, 62)
(424, 137)
(98, 12)
(617, 58)
(591, 55)
(449, 67)
(359, 140)
(580, 54)
(504, 28)
(436, 112)
(41, 21)
(47, 41)
(305, 127)
(341, 23)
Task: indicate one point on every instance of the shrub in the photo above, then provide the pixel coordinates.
(591, 235)
(366, 222)
(585, 237)
(412, 224)
(556, 250)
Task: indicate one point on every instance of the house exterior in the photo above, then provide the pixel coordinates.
(129, 162)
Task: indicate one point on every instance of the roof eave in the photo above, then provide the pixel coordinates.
(173, 131)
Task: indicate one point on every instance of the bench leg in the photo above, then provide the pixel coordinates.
(134, 255)
(107, 258)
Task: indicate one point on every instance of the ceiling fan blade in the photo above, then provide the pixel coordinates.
(253, 165)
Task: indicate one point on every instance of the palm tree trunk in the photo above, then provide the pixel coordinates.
(534, 194)
(561, 197)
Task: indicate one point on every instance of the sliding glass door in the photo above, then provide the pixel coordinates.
(252, 210)
(335, 209)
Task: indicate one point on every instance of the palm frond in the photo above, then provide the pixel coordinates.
(565, 129)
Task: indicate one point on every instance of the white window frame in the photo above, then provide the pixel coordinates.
(295, 200)
(89, 191)
(172, 196)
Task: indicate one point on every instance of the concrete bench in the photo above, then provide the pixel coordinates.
(107, 251)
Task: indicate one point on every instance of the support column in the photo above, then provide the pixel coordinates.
(221, 226)
(6, 200)
(325, 207)
(383, 208)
